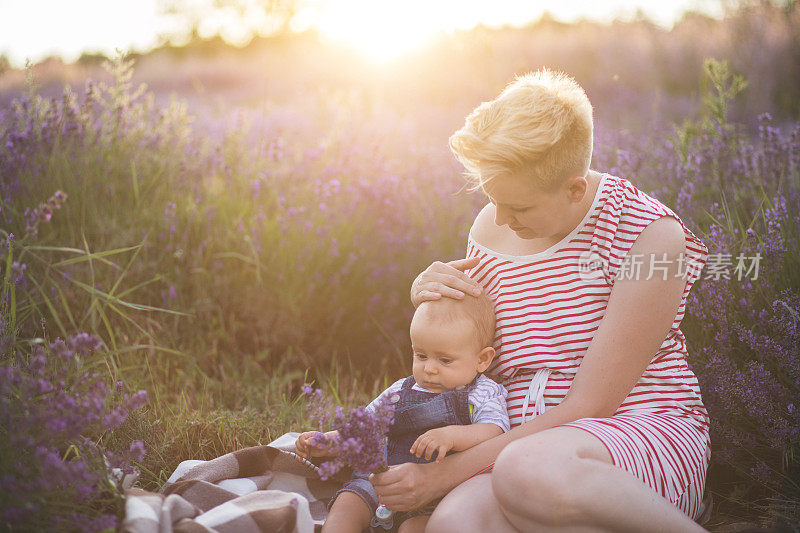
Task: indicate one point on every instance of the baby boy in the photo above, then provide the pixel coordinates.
(447, 404)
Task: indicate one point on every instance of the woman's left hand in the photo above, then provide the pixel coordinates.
(406, 486)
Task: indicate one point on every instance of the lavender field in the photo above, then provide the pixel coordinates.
(178, 258)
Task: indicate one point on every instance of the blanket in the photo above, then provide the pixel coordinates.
(260, 489)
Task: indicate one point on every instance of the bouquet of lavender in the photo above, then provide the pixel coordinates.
(359, 441)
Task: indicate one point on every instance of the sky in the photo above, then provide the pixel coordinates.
(34, 29)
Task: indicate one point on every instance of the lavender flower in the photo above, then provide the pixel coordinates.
(18, 271)
(83, 343)
(317, 406)
(361, 436)
(60, 349)
(58, 198)
(43, 213)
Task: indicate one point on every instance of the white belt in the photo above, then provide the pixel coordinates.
(536, 394)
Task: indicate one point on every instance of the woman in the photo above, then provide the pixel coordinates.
(590, 278)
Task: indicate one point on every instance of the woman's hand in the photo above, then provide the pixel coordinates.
(407, 486)
(445, 279)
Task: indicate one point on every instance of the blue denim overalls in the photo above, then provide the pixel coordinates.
(415, 412)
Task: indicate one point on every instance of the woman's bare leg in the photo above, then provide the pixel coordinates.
(349, 514)
(565, 478)
(474, 509)
(562, 479)
(470, 508)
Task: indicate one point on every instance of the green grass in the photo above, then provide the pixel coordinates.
(196, 416)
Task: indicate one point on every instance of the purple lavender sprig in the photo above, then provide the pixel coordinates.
(317, 407)
(43, 213)
(360, 439)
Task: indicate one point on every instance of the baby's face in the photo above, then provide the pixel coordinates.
(446, 356)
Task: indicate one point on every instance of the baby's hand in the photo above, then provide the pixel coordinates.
(313, 444)
(440, 440)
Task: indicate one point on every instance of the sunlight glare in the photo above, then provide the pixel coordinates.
(381, 30)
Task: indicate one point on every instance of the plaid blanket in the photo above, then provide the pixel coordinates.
(259, 489)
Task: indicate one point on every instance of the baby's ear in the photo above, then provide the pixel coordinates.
(485, 358)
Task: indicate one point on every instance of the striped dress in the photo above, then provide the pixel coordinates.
(549, 306)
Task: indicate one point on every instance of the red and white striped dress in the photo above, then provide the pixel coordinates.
(549, 306)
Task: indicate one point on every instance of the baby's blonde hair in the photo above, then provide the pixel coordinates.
(539, 126)
(479, 310)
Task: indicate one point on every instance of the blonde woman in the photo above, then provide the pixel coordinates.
(590, 277)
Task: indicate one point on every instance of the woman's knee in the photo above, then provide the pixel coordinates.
(466, 508)
(535, 478)
(442, 519)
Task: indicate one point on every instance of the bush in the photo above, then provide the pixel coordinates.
(55, 411)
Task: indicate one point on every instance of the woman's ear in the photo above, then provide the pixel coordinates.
(485, 358)
(577, 187)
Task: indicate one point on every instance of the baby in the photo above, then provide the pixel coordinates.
(447, 404)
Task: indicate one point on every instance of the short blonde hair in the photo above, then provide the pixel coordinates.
(479, 310)
(540, 125)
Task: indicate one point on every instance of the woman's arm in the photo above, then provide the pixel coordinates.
(410, 485)
(638, 316)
